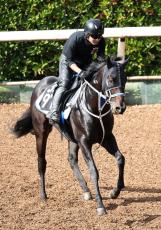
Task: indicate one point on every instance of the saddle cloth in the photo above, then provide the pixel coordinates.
(44, 101)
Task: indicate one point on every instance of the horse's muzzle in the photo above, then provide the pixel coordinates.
(118, 108)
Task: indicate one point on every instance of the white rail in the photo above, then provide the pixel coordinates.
(122, 32)
(17, 83)
(63, 34)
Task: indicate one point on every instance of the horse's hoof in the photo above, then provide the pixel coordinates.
(114, 193)
(43, 197)
(101, 211)
(87, 196)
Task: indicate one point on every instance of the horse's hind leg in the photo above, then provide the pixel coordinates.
(73, 160)
(110, 145)
(42, 130)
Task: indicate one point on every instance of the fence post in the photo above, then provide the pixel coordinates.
(121, 48)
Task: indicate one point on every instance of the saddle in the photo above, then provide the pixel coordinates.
(44, 105)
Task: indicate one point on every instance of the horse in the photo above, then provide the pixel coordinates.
(90, 122)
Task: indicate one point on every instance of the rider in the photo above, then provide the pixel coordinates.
(76, 56)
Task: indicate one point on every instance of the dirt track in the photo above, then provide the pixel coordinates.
(138, 133)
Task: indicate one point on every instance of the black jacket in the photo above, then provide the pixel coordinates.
(78, 50)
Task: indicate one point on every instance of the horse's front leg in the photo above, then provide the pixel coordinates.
(110, 145)
(86, 150)
(73, 160)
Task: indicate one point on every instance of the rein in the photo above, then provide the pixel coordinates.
(100, 108)
(107, 99)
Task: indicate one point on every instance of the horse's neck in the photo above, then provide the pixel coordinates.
(93, 95)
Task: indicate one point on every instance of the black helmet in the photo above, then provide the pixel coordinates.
(94, 27)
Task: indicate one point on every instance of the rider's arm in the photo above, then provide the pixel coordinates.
(75, 68)
(70, 50)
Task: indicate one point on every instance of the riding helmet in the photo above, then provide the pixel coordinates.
(94, 27)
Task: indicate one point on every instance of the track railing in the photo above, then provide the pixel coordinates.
(121, 33)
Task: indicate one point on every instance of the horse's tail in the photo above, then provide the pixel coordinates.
(24, 125)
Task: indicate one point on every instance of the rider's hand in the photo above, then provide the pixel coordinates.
(82, 74)
(100, 59)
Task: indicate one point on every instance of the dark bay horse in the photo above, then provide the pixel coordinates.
(91, 121)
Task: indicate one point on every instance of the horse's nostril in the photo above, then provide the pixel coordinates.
(118, 109)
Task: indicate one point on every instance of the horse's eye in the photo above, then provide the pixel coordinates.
(95, 81)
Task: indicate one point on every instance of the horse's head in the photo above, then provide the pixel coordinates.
(113, 85)
(107, 80)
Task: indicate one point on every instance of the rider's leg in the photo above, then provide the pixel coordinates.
(63, 84)
(54, 113)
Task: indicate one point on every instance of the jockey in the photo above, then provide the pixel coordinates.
(76, 56)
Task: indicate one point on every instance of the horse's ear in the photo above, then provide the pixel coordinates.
(118, 59)
(125, 61)
(109, 62)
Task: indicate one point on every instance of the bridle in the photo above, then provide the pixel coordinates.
(107, 97)
(109, 91)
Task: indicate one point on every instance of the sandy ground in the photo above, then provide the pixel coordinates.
(138, 133)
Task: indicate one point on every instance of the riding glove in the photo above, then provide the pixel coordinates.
(82, 74)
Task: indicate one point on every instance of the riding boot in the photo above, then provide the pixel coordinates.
(54, 114)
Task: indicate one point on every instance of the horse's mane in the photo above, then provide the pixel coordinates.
(97, 64)
(94, 67)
